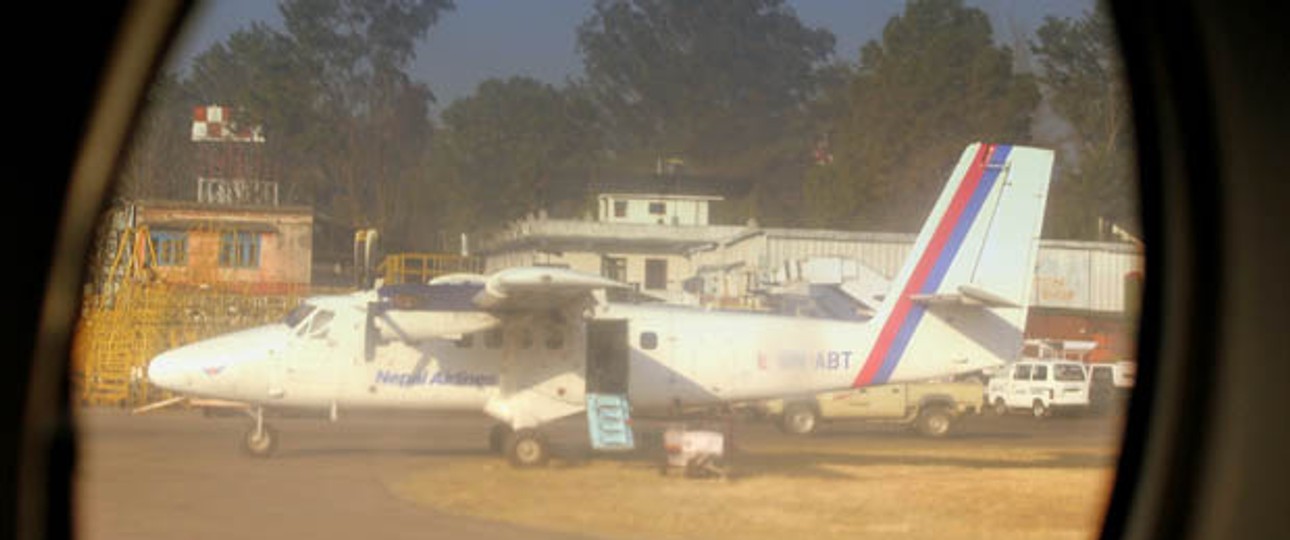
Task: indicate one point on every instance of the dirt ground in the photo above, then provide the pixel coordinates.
(179, 475)
(958, 490)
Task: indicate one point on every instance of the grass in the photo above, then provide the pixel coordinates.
(957, 492)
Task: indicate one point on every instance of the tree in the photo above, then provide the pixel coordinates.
(724, 85)
(1084, 79)
(347, 128)
(516, 146)
(934, 83)
(158, 162)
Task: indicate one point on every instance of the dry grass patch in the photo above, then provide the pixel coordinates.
(983, 493)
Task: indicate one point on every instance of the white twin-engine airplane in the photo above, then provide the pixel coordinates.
(528, 346)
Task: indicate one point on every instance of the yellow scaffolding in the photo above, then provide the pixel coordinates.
(135, 317)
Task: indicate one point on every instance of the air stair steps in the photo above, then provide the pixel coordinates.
(609, 422)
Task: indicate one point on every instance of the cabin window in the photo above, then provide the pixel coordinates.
(657, 208)
(620, 208)
(493, 339)
(466, 341)
(614, 268)
(649, 341)
(239, 250)
(655, 274)
(1021, 373)
(169, 248)
(1040, 374)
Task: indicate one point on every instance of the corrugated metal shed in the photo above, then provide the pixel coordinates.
(1069, 275)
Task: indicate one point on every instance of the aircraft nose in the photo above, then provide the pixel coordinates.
(169, 371)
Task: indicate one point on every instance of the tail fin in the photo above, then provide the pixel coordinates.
(960, 302)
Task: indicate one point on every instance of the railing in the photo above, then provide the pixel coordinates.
(422, 267)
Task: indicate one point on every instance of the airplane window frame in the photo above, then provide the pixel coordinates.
(1169, 419)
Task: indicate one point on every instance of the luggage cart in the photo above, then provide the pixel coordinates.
(695, 452)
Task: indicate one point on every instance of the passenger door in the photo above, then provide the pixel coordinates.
(886, 401)
(1019, 386)
(1040, 385)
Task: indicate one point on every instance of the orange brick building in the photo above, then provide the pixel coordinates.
(269, 248)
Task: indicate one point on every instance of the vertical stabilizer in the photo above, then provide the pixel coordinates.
(960, 301)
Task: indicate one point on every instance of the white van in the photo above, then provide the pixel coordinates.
(1040, 386)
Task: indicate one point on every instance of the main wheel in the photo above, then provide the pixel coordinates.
(1038, 409)
(800, 419)
(935, 421)
(497, 438)
(1000, 407)
(527, 448)
(261, 444)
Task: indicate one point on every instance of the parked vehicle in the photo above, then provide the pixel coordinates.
(1109, 383)
(932, 408)
(1039, 386)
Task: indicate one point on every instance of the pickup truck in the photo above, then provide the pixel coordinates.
(932, 408)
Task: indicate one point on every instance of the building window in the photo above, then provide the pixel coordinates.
(169, 248)
(554, 338)
(239, 250)
(649, 341)
(657, 208)
(620, 208)
(614, 268)
(493, 339)
(655, 274)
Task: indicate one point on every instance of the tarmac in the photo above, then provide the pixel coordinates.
(177, 474)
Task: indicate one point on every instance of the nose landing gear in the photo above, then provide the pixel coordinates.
(260, 440)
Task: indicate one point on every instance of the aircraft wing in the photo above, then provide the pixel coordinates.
(452, 306)
(531, 289)
(440, 310)
(967, 295)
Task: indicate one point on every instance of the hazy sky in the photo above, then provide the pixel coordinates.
(502, 38)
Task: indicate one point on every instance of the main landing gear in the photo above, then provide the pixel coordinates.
(524, 448)
(260, 440)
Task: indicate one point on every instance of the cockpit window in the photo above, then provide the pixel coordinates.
(298, 315)
(320, 322)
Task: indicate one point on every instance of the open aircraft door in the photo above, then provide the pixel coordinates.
(608, 377)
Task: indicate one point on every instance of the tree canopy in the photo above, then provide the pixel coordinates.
(743, 91)
(515, 146)
(1085, 80)
(934, 82)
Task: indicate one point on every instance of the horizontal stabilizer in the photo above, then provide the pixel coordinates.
(967, 295)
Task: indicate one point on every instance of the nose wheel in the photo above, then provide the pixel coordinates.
(527, 448)
(260, 440)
